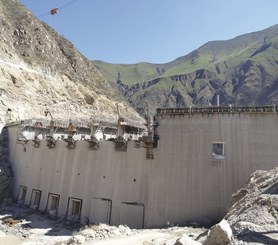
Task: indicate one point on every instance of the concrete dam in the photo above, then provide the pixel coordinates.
(185, 168)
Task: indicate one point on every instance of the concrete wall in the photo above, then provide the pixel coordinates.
(184, 182)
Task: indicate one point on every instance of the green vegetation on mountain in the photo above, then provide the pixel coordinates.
(243, 70)
(131, 74)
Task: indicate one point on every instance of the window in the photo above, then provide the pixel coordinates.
(22, 194)
(52, 204)
(218, 150)
(74, 208)
(35, 199)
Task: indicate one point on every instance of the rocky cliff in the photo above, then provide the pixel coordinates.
(41, 70)
(242, 71)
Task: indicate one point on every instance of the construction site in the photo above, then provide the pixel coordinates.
(183, 166)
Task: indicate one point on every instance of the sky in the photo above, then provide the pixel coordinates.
(156, 31)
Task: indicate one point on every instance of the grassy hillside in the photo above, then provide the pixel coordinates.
(130, 74)
(243, 70)
(231, 51)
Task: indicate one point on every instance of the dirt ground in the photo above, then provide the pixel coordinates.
(22, 225)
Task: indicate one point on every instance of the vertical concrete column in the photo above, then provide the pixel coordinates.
(5, 166)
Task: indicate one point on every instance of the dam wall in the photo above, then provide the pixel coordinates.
(200, 160)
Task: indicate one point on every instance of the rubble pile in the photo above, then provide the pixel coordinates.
(167, 236)
(102, 232)
(20, 224)
(254, 214)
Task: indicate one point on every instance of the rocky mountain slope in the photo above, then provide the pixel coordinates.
(243, 70)
(41, 70)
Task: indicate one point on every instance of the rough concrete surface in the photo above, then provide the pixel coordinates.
(182, 182)
(252, 218)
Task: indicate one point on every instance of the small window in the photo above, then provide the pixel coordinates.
(53, 204)
(74, 208)
(35, 199)
(218, 150)
(22, 194)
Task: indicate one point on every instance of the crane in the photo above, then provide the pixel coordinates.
(55, 10)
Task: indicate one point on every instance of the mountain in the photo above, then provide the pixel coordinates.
(41, 70)
(242, 71)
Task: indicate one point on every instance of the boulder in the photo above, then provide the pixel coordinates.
(186, 240)
(220, 234)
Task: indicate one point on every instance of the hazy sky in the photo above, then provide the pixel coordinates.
(157, 31)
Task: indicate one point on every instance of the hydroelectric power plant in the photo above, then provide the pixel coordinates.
(184, 166)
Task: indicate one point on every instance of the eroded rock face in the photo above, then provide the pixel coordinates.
(39, 69)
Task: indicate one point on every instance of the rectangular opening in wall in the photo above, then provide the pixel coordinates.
(218, 150)
(21, 194)
(74, 208)
(35, 199)
(100, 211)
(52, 204)
(132, 214)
